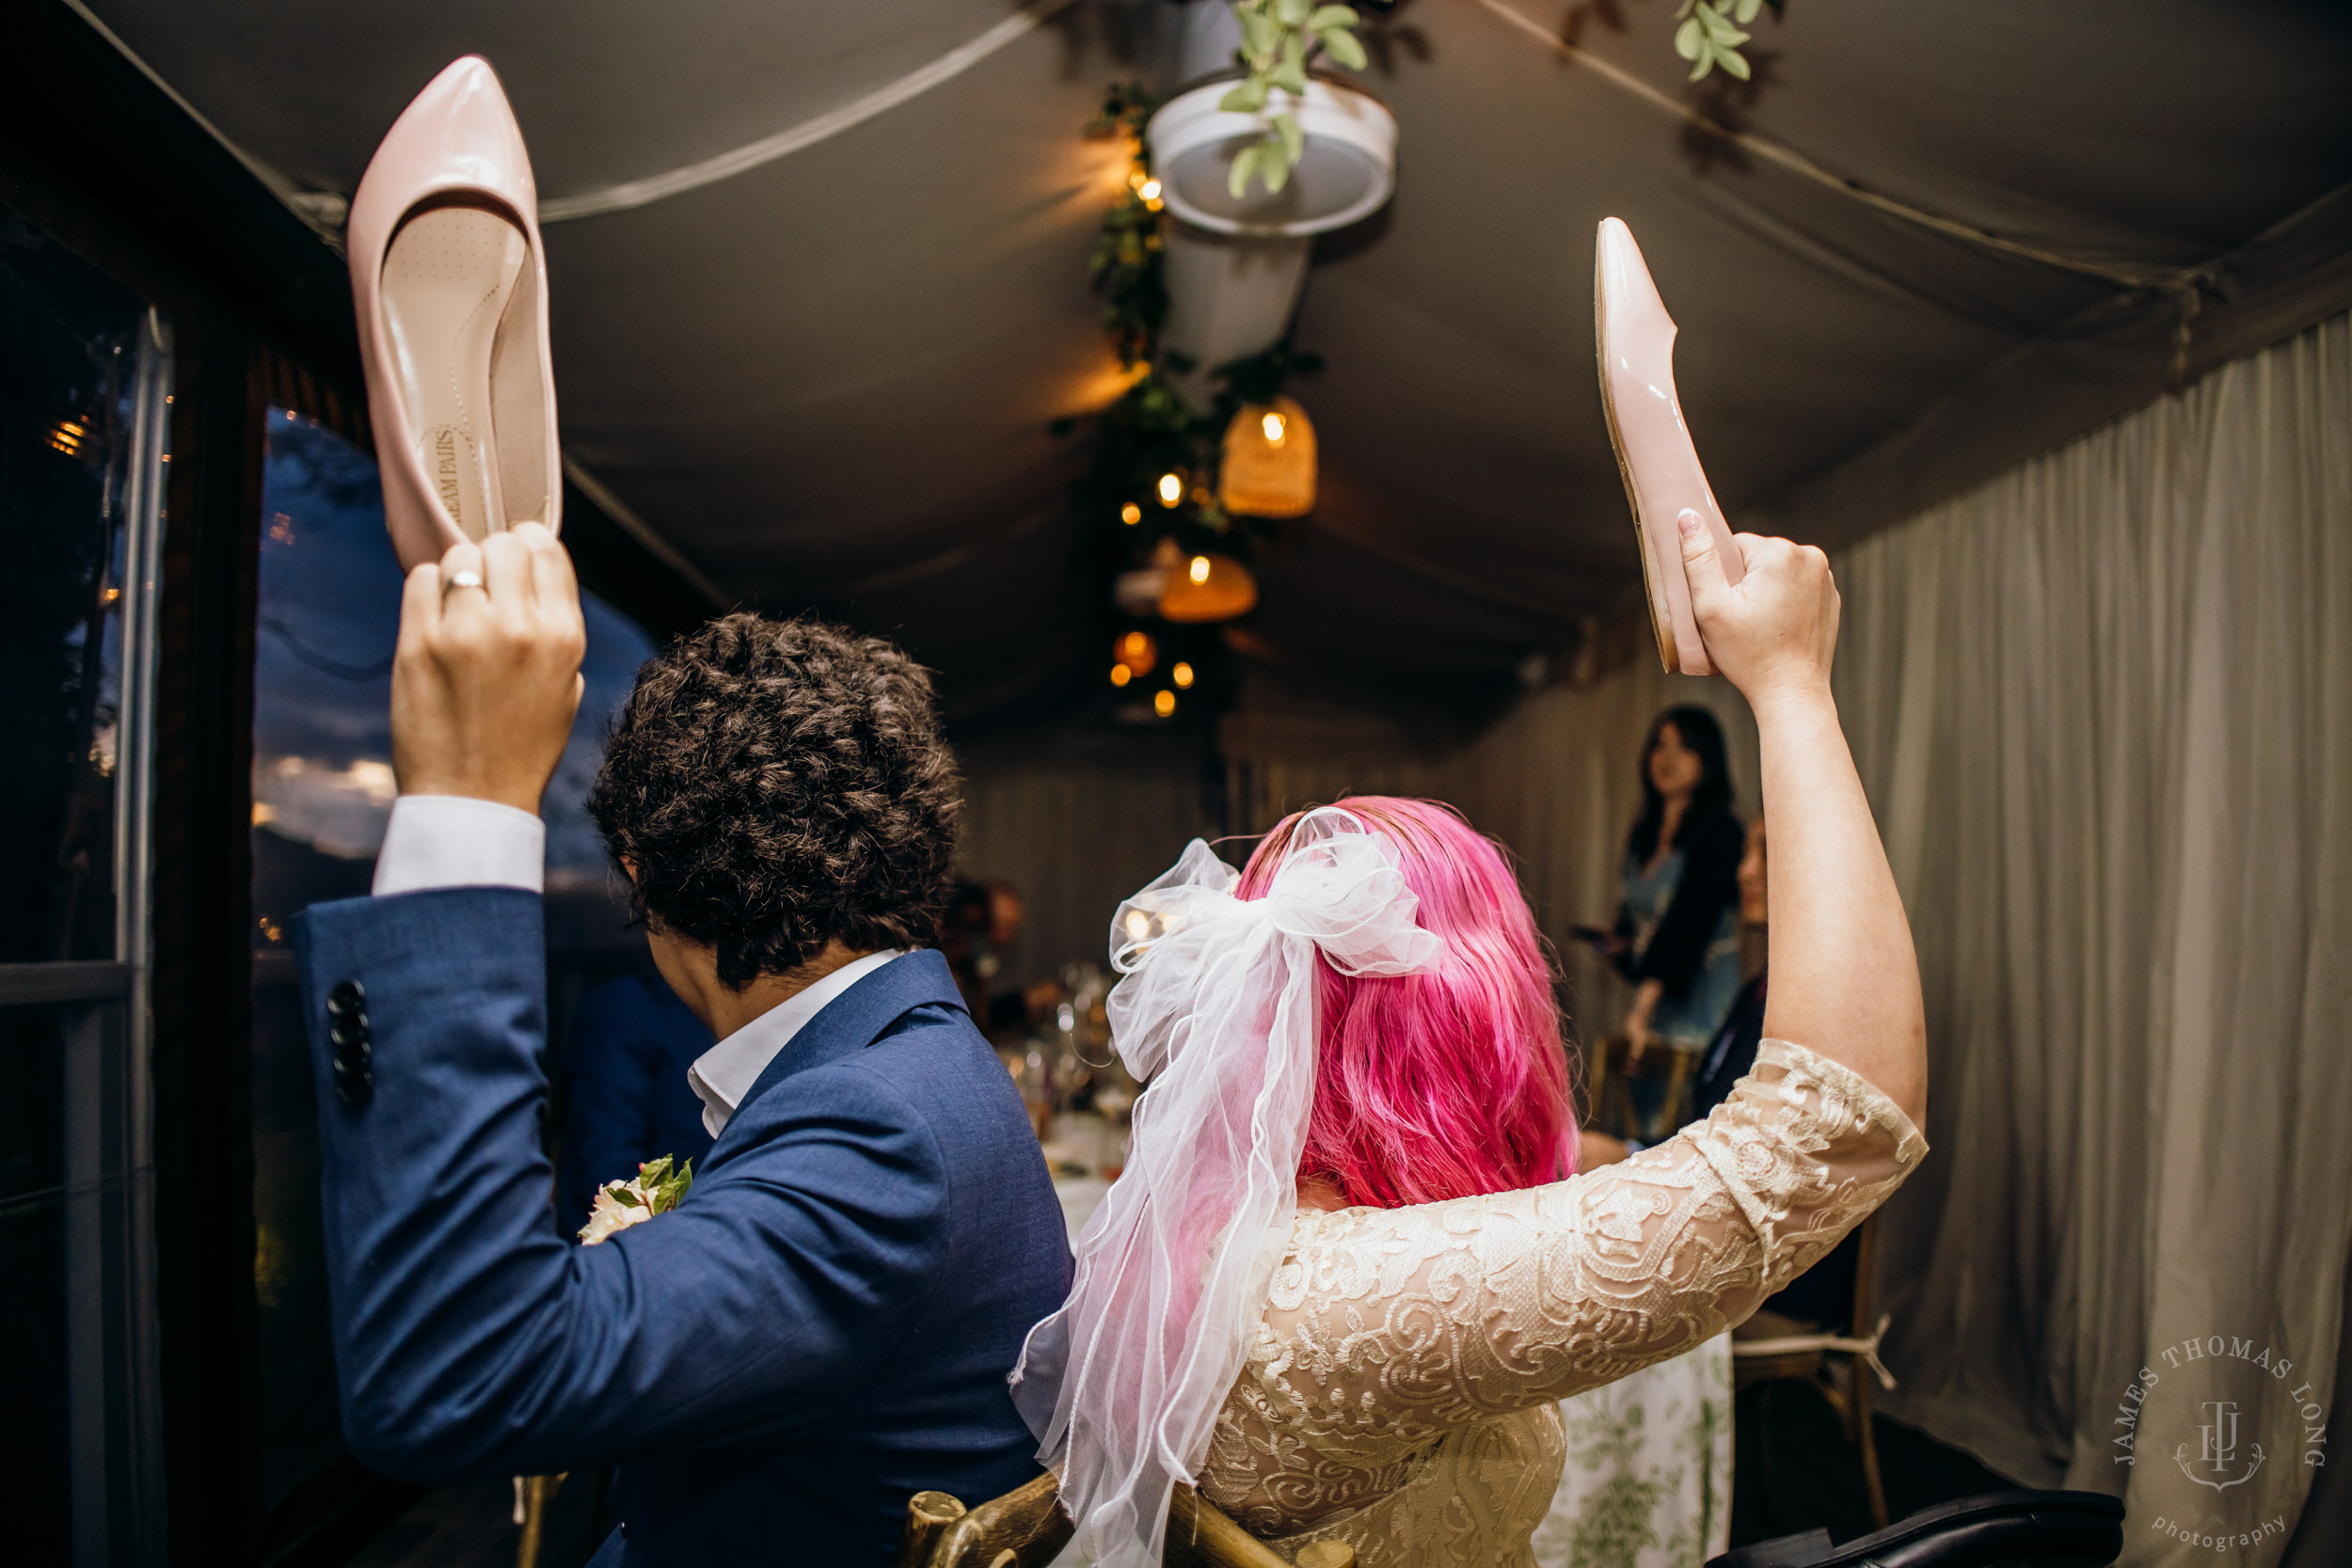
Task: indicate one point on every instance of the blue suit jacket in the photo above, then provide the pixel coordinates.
(823, 1328)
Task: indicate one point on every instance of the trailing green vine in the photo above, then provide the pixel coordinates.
(1277, 38)
(1712, 32)
(1151, 430)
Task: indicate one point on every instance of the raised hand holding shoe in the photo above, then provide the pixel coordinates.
(1773, 631)
(485, 678)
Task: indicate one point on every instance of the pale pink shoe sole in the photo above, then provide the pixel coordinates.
(449, 284)
(1634, 340)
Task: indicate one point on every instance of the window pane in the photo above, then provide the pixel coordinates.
(323, 791)
(69, 370)
(74, 1210)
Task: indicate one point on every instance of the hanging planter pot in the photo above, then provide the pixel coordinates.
(1344, 170)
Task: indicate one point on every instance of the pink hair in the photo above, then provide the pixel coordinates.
(1451, 1082)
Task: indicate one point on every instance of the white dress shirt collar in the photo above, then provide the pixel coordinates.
(723, 1075)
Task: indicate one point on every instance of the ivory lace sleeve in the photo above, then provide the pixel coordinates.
(1386, 1328)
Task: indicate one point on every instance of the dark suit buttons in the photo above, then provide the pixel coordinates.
(347, 1032)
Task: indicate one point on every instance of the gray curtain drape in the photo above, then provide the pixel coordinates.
(2103, 705)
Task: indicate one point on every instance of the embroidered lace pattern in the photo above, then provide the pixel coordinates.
(1401, 1392)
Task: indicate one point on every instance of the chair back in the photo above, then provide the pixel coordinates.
(1027, 1528)
(1613, 1064)
(2048, 1530)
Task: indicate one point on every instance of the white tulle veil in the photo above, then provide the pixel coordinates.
(1216, 1013)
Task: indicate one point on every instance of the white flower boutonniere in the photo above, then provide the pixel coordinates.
(654, 1190)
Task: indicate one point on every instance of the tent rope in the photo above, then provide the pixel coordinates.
(2175, 280)
(725, 166)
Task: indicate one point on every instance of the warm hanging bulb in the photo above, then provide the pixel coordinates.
(1164, 701)
(1198, 570)
(1136, 651)
(1268, 461)
(1171, 489)
(1181, 676)
(1131, 514)
(1120, 674)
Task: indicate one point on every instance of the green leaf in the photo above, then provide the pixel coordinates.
(1690, 42)
(1291, 76)
(1245, 164)
(1274, 167)
(1327, 17)
(1719, 26)
(1747, 10)
(1347, 48)
(1293, 13)
(1294, 139)
(1247, 98)
(1259, 34)
(1733, 61)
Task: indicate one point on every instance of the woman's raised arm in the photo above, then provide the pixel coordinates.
(1845, 978)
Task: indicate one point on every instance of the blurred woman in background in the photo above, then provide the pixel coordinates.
(1677, 933)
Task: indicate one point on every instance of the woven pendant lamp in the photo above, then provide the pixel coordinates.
(1269, 465)
(1208, 588)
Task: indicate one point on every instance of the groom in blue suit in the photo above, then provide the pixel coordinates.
(824, 1325)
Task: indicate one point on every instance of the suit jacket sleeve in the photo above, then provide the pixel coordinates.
(472, 1339)
(1710, 880)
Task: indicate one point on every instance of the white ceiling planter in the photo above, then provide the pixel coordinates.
(1346, 171)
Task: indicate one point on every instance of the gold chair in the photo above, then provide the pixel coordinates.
(1613, 1064)
(533, 1497)
(1024, 1529)
(1762, 1351)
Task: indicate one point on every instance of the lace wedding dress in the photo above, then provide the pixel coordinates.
(1401, 1392)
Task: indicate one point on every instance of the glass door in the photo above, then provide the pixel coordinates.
(85, 379)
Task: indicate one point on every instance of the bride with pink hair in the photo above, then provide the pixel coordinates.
(1351, 1270)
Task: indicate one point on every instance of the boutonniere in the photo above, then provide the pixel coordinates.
(656, 1189)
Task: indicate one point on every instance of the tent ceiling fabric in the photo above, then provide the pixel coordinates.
(828, 379)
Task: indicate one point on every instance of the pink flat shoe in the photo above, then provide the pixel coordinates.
(450, 285)
(1635, 339)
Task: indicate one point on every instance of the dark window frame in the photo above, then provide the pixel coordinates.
(106, 160)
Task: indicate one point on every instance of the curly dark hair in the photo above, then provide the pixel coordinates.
(778, 784)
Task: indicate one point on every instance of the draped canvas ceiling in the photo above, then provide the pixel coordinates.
(823, 368)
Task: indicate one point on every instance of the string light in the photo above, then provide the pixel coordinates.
(67, 437)
(1164, 701)
(1131, 514)
(1182, 674)
(1136, 651)
(1120, 674)
(1171, 489)
(1272, 425)
(1198, 570)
